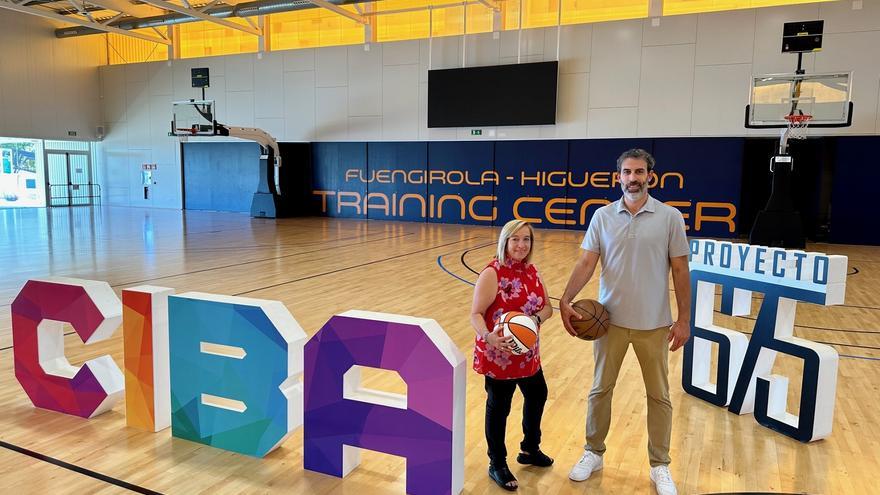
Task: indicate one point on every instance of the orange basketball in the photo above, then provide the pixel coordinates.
(521, 327)
(595, 323)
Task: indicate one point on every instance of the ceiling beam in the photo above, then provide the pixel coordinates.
(81, 8)
(127, 7)
(492, 4)
(203, 16)
(51, 14)
(339, 10)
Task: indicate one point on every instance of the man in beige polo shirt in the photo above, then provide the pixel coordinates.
(638, 240)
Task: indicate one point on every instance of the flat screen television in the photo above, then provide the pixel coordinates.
(499, 95)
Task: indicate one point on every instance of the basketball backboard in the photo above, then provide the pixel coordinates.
(824, 97)
(193, 118)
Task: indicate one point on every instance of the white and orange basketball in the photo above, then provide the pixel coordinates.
(521, 327)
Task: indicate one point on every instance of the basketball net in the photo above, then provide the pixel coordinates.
(797, 126)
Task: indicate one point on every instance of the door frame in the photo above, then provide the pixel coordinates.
(70, 184)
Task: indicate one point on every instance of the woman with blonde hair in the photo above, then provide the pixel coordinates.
(510, 282)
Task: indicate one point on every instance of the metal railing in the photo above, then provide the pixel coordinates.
(74, 194)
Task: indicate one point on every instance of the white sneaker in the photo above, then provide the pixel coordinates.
(663, 481)
(587, 465)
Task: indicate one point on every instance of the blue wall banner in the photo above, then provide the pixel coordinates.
(702, 178)
(553, 183)
(460, 170)
(850, 222)
(332, 163)
(591, 181)
(395, 180)
(220, 176)
(524, 191)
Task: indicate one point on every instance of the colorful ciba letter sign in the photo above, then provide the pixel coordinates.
(426, 427)
(145, 339)
(743, 380)
(235, 364)
(38, 316)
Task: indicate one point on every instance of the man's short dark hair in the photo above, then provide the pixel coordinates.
(638, 154)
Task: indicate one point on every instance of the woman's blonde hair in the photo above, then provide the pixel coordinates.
(507, 231)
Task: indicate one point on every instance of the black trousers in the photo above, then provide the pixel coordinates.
(499, 396)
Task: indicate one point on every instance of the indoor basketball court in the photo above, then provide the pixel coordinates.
(216, 216)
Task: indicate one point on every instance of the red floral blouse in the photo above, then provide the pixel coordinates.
(519, 289)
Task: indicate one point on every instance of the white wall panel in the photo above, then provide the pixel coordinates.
(239, 72)
(161, 78)
(295, 60)
(666, 90)
(364, 81)
(331, 67)
(673, 30)
(482, 49)
(113, 87)
(400, 52)
(615, 63)
(720, 96)
(365, 128)
(574, 48)
(612, 122)
(331, 114)
(239, 109)
(299, 106)
(726, 37)
(840, 17)
(400, 102)
(137, 73)
(571, 108)
(269, 86)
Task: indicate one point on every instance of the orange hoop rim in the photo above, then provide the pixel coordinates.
(798, 119)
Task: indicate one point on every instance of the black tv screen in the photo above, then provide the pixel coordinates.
(518, 94)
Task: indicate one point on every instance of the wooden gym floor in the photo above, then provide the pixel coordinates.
(319, 267)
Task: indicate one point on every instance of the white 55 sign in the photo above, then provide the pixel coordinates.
(743, 381)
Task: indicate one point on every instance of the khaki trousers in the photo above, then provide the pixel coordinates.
(652, 350)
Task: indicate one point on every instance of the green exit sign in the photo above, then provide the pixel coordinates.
(476, 132)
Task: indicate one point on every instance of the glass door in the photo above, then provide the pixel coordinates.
(70, 178)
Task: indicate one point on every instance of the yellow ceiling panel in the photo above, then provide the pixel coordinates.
(122, 49)
(584, 11)
(676, 7)
(311, 28)
(205, 39)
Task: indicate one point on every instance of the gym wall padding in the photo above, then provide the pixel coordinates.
(335, 168)
(458, 162)
(524, 190)
(591, 165)
(555, 183)
(854, 194)
(395, 196)
(709, 188)
(220, 176)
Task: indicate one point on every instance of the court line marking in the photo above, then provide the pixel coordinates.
(79, 469)
(122, 284)
(355, 266)
(260, 260)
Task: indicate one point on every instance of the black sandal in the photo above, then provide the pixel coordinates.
(502, 476)
(538, 458)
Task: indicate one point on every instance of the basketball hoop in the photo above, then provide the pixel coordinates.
(797, 125)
